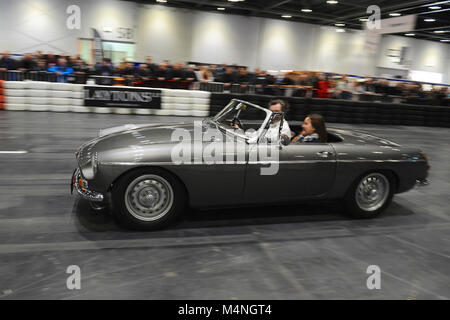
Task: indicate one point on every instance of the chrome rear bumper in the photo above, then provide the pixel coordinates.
(422, 182)
(82, 190)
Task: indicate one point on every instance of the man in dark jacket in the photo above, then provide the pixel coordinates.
(228, 77)
(27, 63)
(6, 62)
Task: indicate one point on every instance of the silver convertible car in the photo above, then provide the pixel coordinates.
(148, 174)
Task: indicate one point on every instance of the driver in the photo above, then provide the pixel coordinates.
(273, 132)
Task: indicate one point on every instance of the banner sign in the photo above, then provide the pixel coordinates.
(398, 24)
(122, 97)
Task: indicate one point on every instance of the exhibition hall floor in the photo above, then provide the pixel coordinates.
(308, 251)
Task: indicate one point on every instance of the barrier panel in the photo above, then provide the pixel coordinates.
(66, 97)
(347, 111)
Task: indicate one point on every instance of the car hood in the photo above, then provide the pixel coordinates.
(140, 135)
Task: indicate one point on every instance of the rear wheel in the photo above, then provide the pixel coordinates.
(370, 195)
(148, 199)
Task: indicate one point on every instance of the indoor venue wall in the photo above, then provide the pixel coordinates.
(189, 35)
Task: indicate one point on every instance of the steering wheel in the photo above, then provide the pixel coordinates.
(238, 122)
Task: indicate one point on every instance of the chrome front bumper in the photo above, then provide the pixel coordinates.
(78, 182)
(422, 182)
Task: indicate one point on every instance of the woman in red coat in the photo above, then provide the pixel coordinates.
(323, 87)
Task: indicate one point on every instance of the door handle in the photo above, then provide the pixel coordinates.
(324, 154)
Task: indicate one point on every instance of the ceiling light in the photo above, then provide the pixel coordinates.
(286, 16)
(434, 8)
(440, 31)
(236, 0)
(395, 14)
(306, 10)
(410, 34)
(340, 30)
(445, 40)
(339, 24)
(363, 19)
(161, 1)
(332, 2)
(429, 20)
(221, 9)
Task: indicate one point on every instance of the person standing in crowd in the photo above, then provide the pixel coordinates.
(260, 81)
(243, 77)
(27, 63)
(61, 70)
(6, 62)
(221, 70)
(229, 78)
(163, 73)
(344, 89)
(105, 68)
(213, 70)
(51, 59)
(177, 71)
(143, 71)
(80, 70)
(189, 74)
(323, 87)
(38, 56)
(152, 68)
(205, 74)
(288, 79)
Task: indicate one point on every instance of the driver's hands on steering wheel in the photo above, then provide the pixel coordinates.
(236, 124)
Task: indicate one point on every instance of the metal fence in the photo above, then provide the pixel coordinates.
(214, 87)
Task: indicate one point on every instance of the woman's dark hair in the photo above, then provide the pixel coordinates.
(284, 104)
(318, 123)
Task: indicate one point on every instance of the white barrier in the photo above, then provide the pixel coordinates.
(66, 97)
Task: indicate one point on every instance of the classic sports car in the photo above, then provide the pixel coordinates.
(147, 174)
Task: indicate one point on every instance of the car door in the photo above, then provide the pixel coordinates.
(305, 170)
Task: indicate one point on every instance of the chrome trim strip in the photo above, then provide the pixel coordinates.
(244, 162)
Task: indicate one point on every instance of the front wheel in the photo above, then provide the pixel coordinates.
(148, 199)
(370, 195)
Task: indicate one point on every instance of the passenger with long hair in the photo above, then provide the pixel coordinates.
(313, 130)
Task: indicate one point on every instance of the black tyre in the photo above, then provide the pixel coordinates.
(148, 199)
(370, 195)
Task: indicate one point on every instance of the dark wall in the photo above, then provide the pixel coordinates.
(344, 111)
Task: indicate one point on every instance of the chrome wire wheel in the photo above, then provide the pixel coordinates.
(149, 197)
(372, 192)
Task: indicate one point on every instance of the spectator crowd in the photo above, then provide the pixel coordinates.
(299, 84)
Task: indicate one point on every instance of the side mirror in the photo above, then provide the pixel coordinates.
(285, 140)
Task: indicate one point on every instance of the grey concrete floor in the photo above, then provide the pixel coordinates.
(286, 252)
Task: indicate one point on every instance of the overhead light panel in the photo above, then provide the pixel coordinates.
(434, 7)
(332, 2)
(363, 19)
(221, 9)
(339, 24)
(410, 34)
(161, 1)
(307, 10)
(340, 30)
(445, 40)
(286, 16)
(395, 14)
(429, 20)
(440, 31)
